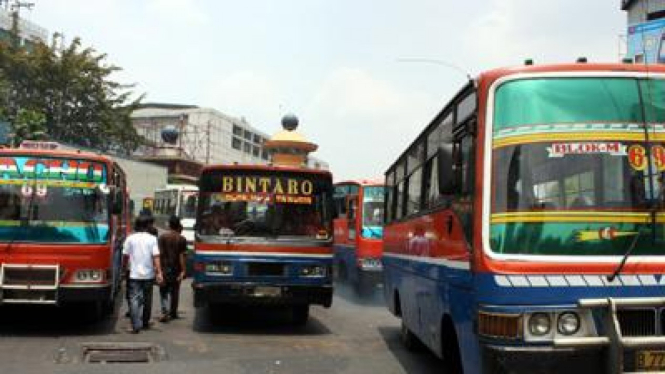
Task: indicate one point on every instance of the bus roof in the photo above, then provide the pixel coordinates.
(485, 80)
(179, 187)
(264, 168)
(56, 153)
(363, 182)
(492, 75)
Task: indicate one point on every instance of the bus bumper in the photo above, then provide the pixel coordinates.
(56, 295)
(533, 360)
(84, 294)
(371, 277)
(258, 294)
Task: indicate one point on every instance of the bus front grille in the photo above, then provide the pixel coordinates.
(29, 277)
(638, 322)
(29, 284)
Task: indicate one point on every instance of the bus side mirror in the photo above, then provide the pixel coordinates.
(446, 172)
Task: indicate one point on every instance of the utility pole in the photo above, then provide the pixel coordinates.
(15, 9)
(208, 143)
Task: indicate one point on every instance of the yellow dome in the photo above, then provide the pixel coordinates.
(288, 136)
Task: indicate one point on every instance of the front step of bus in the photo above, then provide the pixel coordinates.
(29, 284)
(632, 330)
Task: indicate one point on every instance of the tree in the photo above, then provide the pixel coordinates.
(72, 87)
(4, 96)
(28, 125)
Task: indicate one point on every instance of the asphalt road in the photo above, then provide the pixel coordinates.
(356, 335)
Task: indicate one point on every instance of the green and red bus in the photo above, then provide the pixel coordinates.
(525, 227)
(358, 238)
(63, 218)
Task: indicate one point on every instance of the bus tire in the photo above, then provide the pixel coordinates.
(452, 360)
(397, 305)
(93, 311)
(342, 274)
(409, 339)
(300, 314)
(108, 306)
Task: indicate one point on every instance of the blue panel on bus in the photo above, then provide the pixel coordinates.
(543, 289)
(242, 265)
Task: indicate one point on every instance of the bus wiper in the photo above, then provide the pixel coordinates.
(626, 254)
(653, 220)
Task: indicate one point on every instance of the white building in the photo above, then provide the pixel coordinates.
(205, 135)
(28, 31)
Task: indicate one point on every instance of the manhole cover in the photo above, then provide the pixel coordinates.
(120, 353)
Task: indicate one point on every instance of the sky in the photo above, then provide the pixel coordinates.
(345, 67)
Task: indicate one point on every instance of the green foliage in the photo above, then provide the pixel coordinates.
(72, 87)
(28, 125)
(4, 92)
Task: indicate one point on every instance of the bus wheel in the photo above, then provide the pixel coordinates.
(93, 311)
(341, 272)
(409, 339)
(450, 349)
(300, 314)
(108, 306)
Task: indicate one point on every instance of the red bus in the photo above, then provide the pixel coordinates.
(264, 237)
(525, 227)
(63, 218)
(359, 233)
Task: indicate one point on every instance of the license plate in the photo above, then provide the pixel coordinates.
(267, 291)
(650, 360)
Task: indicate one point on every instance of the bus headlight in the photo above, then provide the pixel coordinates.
(370, 263)
(88, 276)
(313, 271)
(568, 323)
(540, 324)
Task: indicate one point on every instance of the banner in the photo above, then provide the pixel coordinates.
(645, 42)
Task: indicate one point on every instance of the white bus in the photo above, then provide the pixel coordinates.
(179, 200)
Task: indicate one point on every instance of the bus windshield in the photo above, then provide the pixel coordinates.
(578, 166)
(373, 208)
(188, 204)
(52, 200)
(264, 204)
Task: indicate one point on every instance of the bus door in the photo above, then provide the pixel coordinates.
(351, 217)
(119, 207)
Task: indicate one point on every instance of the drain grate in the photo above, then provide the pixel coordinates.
(121, 353)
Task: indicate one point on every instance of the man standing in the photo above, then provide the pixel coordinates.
(172, 249)
(142, 254)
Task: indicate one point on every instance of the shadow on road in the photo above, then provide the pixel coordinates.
(421, 361)
(373, 298)
(51, 321)
(259, 320)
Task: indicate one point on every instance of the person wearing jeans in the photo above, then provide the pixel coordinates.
(172, 249)
(141, 253)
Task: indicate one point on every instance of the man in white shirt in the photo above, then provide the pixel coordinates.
(142, 256)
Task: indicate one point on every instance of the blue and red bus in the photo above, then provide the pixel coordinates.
(525, 223)
(264, 237)
(63, 218)
(358, 238)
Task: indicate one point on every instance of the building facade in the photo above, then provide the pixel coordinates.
(203, 135)
(646, 30)
(29, 32)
